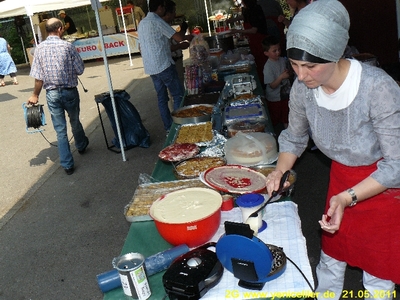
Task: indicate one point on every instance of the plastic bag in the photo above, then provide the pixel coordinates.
(199, 50)
(145, 179)
(132, 129)
(250, 149)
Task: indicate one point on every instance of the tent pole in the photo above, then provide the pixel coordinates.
(95, 6)
(33, 29)
(23, 48)
(126, 34)
(30, 14)
(207, 16)
(88, 16)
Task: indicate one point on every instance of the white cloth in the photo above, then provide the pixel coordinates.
(154, 39)
(284, 230)
(344, 95)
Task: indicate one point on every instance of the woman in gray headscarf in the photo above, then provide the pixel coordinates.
(353, 110)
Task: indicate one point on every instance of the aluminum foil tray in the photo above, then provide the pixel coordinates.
(145, 194)
(200, 134)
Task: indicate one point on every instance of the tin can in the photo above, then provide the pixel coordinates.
(133, 275)
(227, 202)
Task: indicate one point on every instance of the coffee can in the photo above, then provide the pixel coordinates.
(227, 202)
(133, 277)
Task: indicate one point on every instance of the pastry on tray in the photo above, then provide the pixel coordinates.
(192, 167)
(178, 152)
(195, 133)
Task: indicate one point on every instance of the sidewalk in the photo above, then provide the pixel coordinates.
(27, 159)
(58, 231)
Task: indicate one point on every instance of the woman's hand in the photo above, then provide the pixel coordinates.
(331, 221)
(273, 181)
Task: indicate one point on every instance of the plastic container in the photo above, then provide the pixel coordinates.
(250, 149)
(245, 127)
(246, 112)
(248, 204)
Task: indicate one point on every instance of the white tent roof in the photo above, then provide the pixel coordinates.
(11, 8)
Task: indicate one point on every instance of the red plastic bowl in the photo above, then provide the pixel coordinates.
(194, 232)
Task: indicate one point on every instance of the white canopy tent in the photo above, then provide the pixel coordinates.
(11, 8)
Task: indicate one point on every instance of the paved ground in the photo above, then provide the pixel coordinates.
(57, 232)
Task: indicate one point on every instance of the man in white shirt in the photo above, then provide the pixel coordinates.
(154, 39)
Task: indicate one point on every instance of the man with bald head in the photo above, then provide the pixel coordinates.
(56, 66)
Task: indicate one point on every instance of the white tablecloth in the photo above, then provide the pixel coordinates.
(284, 230)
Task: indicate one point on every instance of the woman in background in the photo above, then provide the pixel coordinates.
(7, 66)
(255, 29)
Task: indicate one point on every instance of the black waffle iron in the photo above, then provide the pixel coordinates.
(193, 274)
(249, 259)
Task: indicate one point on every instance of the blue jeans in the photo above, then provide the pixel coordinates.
(60, 101)
(167, 79)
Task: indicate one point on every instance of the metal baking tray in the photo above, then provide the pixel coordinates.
(196, 118)
(201, 164)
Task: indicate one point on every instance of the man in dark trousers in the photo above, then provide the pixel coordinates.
(56, 66)
(154, 39)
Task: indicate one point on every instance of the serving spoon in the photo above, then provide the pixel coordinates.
(252, 220)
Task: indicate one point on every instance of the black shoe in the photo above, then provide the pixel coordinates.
(69, 171)
(84, 148)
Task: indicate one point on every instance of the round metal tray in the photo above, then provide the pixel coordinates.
(219, 161)
(195, 119)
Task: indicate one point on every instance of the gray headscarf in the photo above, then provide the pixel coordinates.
(321, 29)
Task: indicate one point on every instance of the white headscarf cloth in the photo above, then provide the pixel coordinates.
(321, 29)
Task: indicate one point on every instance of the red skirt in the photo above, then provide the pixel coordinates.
(369, 235)
(278, 111)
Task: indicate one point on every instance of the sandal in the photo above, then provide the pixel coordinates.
(2, 84)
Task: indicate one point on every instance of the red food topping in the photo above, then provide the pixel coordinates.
(178, 152)
(237, 182)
